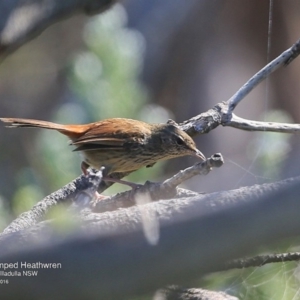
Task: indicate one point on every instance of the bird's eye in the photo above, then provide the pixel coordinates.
(179, 141)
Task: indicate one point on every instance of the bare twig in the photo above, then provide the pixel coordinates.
(221, 113)
(215, 161)
(250, 125)
(260, 260)
(158, 191)
(283, 59)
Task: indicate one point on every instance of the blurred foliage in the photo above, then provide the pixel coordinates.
(276, 281)
(63, 220)
(271, 149)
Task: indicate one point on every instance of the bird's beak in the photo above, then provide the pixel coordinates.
(200, 154)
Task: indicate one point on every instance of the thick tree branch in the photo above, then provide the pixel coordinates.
(171, 210)
(23, 20)
(82, 191)
(119, 262)
(179, 293)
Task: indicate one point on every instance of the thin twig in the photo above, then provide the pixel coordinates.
(260, 260)
(283, 59)
(250, 125)
(221, 113)
(158, 191)
(203, 168)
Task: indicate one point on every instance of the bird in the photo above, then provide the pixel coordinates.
(120, 144)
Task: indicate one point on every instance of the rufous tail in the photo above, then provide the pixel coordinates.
(72, 131)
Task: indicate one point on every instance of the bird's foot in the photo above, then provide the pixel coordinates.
(100, 197)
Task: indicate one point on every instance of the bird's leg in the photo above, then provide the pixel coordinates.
(134, 186)
(84, 166)
(131, 184)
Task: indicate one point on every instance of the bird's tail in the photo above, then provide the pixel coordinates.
(72, 131)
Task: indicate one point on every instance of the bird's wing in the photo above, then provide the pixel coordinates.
(111, 134)
(97, 143)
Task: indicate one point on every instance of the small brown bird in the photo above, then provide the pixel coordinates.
(120, 145)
